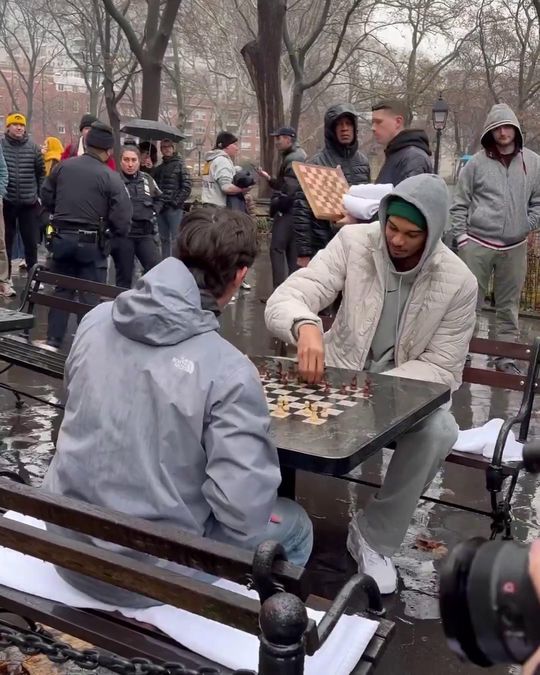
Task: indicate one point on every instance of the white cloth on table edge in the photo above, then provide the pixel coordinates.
(228, 646)
(481, 441)
(362, 201)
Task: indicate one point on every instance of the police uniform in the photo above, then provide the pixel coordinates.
(89, 203)
(146, 200)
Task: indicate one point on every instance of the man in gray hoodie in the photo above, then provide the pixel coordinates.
(166, 420)
(496, 206)
(408, 310)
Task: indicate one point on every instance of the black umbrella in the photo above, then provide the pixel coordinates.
(150, 130)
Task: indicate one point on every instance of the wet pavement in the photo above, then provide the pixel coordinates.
(418, 646)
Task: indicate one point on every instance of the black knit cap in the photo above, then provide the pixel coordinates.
(87, 120)
(100, 136)
(224, 139)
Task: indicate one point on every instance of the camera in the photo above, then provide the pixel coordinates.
(489, 607)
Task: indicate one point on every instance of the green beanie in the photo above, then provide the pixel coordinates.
(399, 207)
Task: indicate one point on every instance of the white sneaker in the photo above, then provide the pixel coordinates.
(43, 344)
(245, 286)
(7, 290)
(378, 566)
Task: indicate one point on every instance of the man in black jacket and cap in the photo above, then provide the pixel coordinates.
(340, 149)
(285, 185)
(407, 150)
(89, 204)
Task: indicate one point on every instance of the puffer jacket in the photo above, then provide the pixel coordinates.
(437, 321)
(26, 170)
(407, 155)
(312, 234)
(173, 179)
(286, 184)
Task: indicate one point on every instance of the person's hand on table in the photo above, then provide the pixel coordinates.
(533, 664)
(303, 261)
(346, 220)
(310, 353)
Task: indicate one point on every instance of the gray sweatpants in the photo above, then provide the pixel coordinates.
(509, 269)
(418, 456)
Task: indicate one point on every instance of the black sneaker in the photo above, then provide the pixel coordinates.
(508, 367)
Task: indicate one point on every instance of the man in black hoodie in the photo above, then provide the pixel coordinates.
(340, 149)
(407, 150)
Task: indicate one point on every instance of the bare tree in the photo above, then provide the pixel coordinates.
(149, 46)
(262, 56)
(24, 34)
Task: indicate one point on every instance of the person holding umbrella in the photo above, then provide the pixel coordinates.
(174, 181)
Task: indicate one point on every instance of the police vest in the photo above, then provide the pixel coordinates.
(140, 193)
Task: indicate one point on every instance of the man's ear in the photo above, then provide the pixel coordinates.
(240, 276)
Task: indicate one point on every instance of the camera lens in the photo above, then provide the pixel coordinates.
(489, 608)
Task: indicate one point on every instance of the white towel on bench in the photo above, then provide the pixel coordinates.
(481, 441)
(362, 201)
(228, 646)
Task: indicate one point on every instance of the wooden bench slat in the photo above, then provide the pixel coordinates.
(33, 358)
(492, 378)
(510, 350)
(108, 631)
(155, 582)
(63, 304)
(163, 541)
(44, 276)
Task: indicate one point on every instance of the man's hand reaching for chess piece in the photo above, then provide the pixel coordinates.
(310, 353)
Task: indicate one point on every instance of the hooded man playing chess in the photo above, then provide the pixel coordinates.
(408, 310)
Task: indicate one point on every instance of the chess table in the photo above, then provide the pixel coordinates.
(362, 426)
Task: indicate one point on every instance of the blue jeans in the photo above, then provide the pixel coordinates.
(294, 532)
(169, 223)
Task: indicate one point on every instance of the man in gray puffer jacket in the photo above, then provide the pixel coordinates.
(340, 149)
(165, 419)
(496, 206)
(26, 170)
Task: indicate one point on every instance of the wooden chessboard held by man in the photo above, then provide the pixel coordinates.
(324, 188)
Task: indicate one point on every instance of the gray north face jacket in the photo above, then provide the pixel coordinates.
(164, 420)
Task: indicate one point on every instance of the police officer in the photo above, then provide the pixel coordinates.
(147, 200)
(89, 203)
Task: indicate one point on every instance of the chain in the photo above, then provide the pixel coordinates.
(31, 643)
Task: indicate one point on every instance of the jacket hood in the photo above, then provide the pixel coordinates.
(500, 114)
(164, 308)
(212, 154)
(429, 194)
(53, 148)
(416, 138)
(330, 118)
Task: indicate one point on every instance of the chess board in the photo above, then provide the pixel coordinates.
(301, 398)
(324, 188)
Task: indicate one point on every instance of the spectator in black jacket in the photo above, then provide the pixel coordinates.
(26, 172)
(90, 205)
(285, 185)
(340, 149)
(407, 150)
(174, 181)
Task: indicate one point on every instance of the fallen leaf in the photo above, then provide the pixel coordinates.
(436, 548)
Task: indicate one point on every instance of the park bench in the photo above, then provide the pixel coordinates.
(279, 618)
(18, 350)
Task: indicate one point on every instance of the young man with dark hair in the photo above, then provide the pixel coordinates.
(407, 150)
(164, 418)
(407, 311)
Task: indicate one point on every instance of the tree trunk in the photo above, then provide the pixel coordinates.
(94, 93)
(151, 90)
(296, 105)
(262, 57)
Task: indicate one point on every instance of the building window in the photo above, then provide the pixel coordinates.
(60, 87)
(246, 145)
(76, 106)
(200, 115)
(199, 130)
(61, 129)
(60, 105)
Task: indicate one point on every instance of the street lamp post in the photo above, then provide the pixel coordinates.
(198, 144)
(439, 114)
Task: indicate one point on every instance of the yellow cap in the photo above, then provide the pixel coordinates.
(15, 118)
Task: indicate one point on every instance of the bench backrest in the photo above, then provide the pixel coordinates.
(155, 539)
(39, 276)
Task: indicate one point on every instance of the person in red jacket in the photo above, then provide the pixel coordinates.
(76, 149)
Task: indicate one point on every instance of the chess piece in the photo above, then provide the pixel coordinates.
(279, 369)
(307, 408)
(324, 413)
(285, 404)
(354, 383)
(313, 413)
(285, 378)
(326, 388)
(343, 389)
